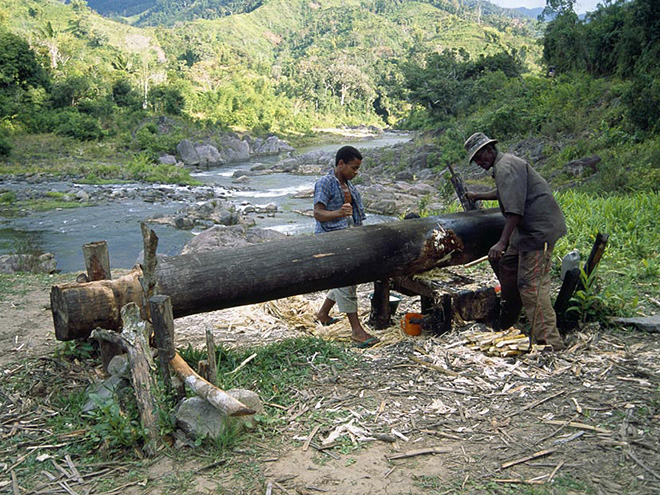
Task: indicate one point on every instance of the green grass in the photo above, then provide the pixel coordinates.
(278, 368)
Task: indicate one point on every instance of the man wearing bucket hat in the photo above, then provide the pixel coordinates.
(522, 256)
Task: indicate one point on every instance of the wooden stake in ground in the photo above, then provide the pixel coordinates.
(135, 341)
(97, 263)
(210, 350)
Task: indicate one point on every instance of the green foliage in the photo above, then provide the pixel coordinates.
(5, 147)
(74, 124)
(631, 222)
(450, 84)
(73, 349)
(114, 424)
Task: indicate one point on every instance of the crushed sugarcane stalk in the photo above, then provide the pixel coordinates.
(580, 426)
(415, 453)
(536, 455)
(310, 438)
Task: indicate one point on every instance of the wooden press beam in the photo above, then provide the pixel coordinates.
(208, 281)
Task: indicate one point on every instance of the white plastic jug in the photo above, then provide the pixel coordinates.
(570, 261)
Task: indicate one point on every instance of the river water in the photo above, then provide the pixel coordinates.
(64, 231)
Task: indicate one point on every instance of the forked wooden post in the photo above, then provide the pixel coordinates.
(135, 340)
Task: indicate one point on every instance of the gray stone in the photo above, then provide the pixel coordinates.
(233, 149)
(102, 393)
(167, 159)
(187, 152)
(209, 155)
(14, 263)
(82, 196)
(649, 324)
(118, 366)
(198, 418)
(184, 223)
(404, 175)
(226, 237)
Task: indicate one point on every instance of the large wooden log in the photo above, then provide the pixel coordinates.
(214, 280)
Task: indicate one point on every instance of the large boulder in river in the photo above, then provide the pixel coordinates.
(225, 237)
(272, 145)
(311, 163)
(234, 149)
(188, 152)
(209, 156)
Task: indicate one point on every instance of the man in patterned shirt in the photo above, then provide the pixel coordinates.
(338, 206)
(523, 255)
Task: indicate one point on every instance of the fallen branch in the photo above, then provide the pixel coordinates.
(218, 398)
(434, 366)
(534, 404)
(310, 438)
(642, 465)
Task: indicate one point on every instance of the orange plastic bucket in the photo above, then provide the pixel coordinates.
(412, 323)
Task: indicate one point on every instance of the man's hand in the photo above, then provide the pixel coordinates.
(497, 251)
(346, 210)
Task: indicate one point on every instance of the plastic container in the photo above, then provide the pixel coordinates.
(394, 301)
(411, 324)
(570, 261)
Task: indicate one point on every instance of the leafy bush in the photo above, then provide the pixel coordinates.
(76, 125)
(5, 146)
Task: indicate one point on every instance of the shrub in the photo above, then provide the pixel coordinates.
(5, 146)
(76, 125)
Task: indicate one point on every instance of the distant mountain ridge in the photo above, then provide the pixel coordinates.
(168, 12)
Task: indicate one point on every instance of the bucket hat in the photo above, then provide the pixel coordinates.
(475, 142)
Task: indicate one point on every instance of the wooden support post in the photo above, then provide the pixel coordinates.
(380, 315)
(160, 307)
(148, 279)
(212, 375)
(97, 261)
(135, 340)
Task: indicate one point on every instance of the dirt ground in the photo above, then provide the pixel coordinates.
(586, 420)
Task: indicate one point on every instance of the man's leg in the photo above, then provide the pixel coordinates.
(323, 314)
(347, 303)
(534, 285)
(507, 274)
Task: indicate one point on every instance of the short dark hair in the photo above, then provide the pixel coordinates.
(346, 154)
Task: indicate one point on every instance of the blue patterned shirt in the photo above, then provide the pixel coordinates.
(327, 190)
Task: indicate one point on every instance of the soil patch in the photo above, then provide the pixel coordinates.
(582, 421)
